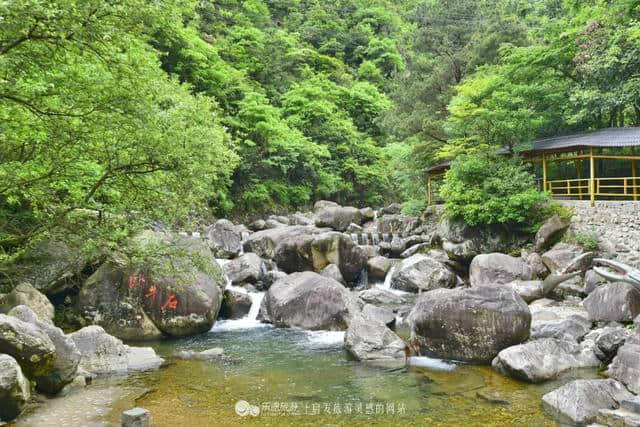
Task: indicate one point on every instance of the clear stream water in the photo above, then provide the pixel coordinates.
(291, 377)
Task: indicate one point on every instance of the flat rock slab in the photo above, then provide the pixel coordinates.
(578, 402)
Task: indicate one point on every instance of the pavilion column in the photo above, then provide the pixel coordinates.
(633, 175)
(592, 181)
(544, 172)
(429, 188)
(579, 170)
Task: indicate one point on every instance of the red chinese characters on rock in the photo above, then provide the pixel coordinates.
(135, 280)
(171, 303)
(151, 292)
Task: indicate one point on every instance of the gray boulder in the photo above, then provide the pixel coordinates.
(247, 268)
(591, 281)
(392, 209)
(106, 300)
(103, 354)
(421, 273)
(29, 345)
(338, 217)
(368, 339)
(378, 267)
(529, 290)
(462, 242)
(300, 219)
(536, 264)
(25, 294)
(265, 243)
(379, 296)
(338, 249)
(497, 268)
(578, 402)
(626, 365)
(50, 266)
(560, 256)
(397, 224)
(379, 314)
(617, 302)
(177, 290)
(322, 204)
(368, 214)
(543, 359)
(310, 301)
(561, 320)
(468, 324)
(67, 356)
(223, 239)
(235, 305)
(333, 272)
(550, 232)
(370, 251)
(606, 341)
(15, 390)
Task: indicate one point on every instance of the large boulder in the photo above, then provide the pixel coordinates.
(468, 324)
(421, 273)
(51, 266)
(606, 341)
(397, 224)
(106, 299)
(235, 304)
(338, 249)
(264, 243)
(497, 269)
(29, 345)
(529, 290)
(613, 302)
(463, 242)
(560, 256)
(626, 365)
(338, 217)
(224, 240)
(383, 315)
(385, 297)
(103, 354)
(378, 267)
(550, 232)
(309, 301)
(15, 390)
(67, 356)
(176, 290)
(25, 294)
(560, 320)
(578, 402)
(333, 272)
(543, 359)
(368, 339)
(247, 268)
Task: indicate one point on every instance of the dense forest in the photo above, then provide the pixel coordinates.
(114, 114)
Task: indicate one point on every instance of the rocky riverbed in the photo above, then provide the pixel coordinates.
(334, 306)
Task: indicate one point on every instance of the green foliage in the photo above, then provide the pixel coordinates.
(588, 240)
(491, 190)
(90, 122)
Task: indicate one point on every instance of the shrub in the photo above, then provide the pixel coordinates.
(488, 189)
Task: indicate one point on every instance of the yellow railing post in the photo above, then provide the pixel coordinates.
(592, 168)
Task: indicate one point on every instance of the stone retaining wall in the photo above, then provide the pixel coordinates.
(615, 224)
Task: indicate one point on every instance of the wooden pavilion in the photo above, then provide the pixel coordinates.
(588, 166)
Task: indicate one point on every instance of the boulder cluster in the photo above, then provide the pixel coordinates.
(529, 306)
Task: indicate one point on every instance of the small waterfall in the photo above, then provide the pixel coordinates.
(354, 237)
(375, 238)
(247, 322)
(243, 238)
(363, 279)
(375, 215)
(387, 278)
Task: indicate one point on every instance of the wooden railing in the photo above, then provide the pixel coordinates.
(602, 187)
